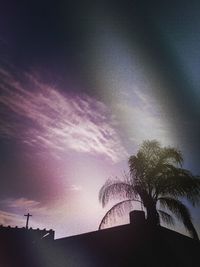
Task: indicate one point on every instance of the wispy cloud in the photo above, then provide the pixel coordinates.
(40, 115)
(20, 203)
(136, 91)
(74, 187)
(23, 205)
(9, 218)
(145, 118)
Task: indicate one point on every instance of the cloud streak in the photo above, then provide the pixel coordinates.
(145, 118)
(20, 203)
(42, 116)
(9, 218)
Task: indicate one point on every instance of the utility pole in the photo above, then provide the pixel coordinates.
(27, 219)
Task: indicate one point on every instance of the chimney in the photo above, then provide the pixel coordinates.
(137, 217)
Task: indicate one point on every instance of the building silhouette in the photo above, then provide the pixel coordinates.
(134, 244)
(18, 246)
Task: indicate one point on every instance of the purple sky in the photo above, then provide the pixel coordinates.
(79, 97)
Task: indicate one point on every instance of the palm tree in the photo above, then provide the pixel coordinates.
(158, 181)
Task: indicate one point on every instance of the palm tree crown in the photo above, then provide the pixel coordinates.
(158, 181)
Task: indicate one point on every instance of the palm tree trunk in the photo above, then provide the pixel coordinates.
(150, 205)
(152, 214)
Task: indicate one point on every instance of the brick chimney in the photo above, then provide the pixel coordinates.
(137, 217)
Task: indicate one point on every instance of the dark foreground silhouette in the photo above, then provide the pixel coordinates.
(157, 180)
(134, 244)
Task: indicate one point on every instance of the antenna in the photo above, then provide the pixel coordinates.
(27, 219)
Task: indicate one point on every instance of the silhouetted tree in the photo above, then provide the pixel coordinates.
(158, 181)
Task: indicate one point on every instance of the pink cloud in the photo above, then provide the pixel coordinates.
(21, 203)
(9, 218)
(57, 121)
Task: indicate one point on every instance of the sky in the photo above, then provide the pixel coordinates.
(82, 84)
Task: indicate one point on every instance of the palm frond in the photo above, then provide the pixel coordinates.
(166, 218)
(115, 189)
(118, 210)
(179, 183)
(147, 156)
(137, 166)
(150, 147)
(182, 213)
(171, 155)
(153, 163)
